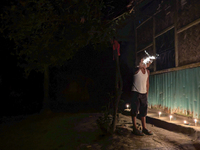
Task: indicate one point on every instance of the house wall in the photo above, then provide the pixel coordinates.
(176, 92)
(172, 31)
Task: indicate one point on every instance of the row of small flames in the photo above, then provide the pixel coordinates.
(170, 116)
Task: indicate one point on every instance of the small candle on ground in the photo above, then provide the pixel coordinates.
(195, 120)
(127, 105)
(159, 114)
(170, 117)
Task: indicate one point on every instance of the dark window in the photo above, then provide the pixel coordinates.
(165, 49)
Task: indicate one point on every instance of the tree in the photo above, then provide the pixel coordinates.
(49, 32)
(118, 85)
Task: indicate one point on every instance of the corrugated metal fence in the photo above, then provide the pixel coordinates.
(176, 92)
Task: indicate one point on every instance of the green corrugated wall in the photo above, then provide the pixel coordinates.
(176, 92)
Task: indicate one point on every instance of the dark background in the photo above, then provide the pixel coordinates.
(24, 95)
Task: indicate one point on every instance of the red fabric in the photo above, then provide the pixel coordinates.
(116, 46)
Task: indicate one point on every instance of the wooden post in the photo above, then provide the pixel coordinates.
(193, 65)
(176, 34)
(164, 31)
(118, 91)
(154, 42)
(142, 50)
(135, 43)
(189, 25)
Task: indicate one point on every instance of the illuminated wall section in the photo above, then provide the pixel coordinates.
(176, 92)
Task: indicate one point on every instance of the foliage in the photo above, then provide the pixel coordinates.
(46, 33)
(49, 32)
(104, 122)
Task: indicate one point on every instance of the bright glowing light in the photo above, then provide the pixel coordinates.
(149, 58)
(146, 53)
(170, 117)
(127, 105)
(185, 121)
(195, 120)
(159, 114)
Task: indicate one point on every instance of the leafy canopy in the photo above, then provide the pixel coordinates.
(49, 32)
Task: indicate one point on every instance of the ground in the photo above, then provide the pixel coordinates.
(79, 131)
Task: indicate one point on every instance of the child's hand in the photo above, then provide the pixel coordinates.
(148, 64)
(143, 65)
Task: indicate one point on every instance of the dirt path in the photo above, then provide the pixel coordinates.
(63, 131)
